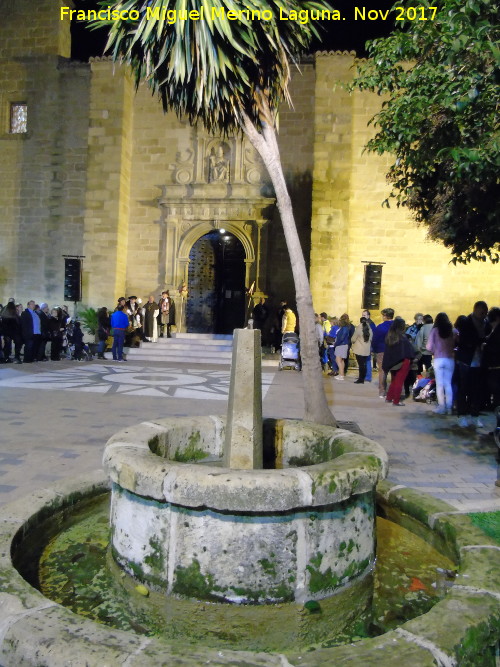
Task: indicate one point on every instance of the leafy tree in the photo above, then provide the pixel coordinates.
(440, 119)
(231, 76)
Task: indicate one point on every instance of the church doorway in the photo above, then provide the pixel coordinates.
(216, 284)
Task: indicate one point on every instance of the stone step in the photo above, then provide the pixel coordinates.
(189, 348)
(138, 354)
(203, 336)
(170, 344)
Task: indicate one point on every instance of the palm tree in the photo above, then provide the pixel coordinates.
(230, 74)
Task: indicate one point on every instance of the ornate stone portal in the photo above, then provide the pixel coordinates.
(216, 185)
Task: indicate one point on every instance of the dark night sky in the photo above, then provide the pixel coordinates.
(338, 35)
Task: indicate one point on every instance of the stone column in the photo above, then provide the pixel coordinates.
(243, 445)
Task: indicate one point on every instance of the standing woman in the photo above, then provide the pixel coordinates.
(342, 345)
(361, 345)
(56, 330)
(11, 323)
(397, 357)
(421, 343)
(441, 344)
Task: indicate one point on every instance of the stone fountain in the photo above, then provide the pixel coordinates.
(232, 531)
(238, 514)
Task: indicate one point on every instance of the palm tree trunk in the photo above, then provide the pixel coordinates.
(316, 405)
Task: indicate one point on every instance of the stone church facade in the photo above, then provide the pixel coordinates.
(99, 171)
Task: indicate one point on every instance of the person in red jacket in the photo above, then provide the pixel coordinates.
(397, 356)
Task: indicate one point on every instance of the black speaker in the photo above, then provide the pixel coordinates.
(72, 279)
(372, 286)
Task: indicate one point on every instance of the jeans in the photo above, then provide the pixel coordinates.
(368, 377)
(331, 358)
(118, 341)
(470, 389)
(362, 362)
(101, 347)
(31, 348)
(443, 370)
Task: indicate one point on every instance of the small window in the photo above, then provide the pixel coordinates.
(18, 117)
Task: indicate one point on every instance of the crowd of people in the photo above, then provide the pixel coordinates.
(25, 333)
(37, 333)
(464, 357)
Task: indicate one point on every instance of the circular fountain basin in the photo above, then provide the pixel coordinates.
(462, 629)
(302, 529)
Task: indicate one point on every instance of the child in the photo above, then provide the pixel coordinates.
(77, 339)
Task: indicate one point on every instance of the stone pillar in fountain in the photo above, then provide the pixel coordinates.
(243, 444)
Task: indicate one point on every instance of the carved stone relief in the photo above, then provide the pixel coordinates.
(183, 168)
(219, 164)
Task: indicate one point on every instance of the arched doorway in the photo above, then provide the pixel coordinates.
(216, 284)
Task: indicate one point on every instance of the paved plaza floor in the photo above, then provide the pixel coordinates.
(57, 416)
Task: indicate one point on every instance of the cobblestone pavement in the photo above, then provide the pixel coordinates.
(56, 417)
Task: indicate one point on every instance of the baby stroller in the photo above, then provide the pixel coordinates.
(290, 352)
(424, 390)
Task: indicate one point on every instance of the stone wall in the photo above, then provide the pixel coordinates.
(43, 170)
(108, 184)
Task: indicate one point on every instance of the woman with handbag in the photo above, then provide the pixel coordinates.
(361, 346)
(397, 357)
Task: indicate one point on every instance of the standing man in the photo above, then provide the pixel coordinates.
(166, 307)
(44, 316)
(31, 331)
(371, 324)
(122, 301)
(150, 312)
(119, 324)
(260, 315)
(378, 346)
(472, 333)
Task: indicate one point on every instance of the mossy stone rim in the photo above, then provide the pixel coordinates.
(131, 463)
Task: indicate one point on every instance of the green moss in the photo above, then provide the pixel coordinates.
(332, 486)
(312, 606)
(280, 592)
(268, 567)
(300, 461)
(154, 444)
(156, 558)
(327, 580)
(351, 546)
(192, 452)
(190, 582)
(488, 522)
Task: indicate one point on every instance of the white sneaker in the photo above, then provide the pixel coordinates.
(439, 410)
(476, 421)
(338, 377)
(463, 422)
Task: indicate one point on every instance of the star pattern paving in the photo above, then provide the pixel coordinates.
(136, 381)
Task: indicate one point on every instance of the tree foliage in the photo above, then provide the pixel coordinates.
(214, 69)
(440, 120)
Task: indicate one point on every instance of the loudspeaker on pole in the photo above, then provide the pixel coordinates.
(72, 279)
(372, 286)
